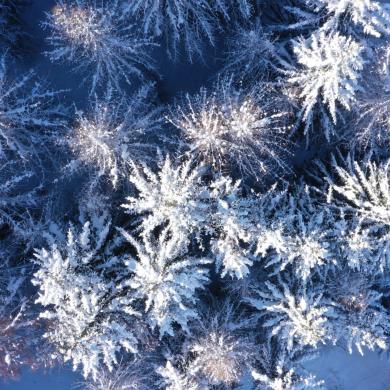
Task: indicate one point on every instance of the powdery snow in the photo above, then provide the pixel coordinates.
(342, 371)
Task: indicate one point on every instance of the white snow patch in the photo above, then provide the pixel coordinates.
(342, 371)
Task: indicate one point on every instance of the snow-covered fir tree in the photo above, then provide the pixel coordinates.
(251, 53)
(326, 78)
(96, 38)
(296, 231)
(289, 380)
(279, 369)
(28, 113)
(31, 121)
(365, 189)
(89, 315)
(178, 201)
(356, 194)
(174, 198)
(185, 23)
(16, 198)
(115, 132)
(231, 228)
(293, 311)
(217, 353)
(233, 9)
(20, 330)
(371, 127)
(359, 192)
(222, 352)
(357, 315)
(11, 34)
(167, 279)
(367, 17)
(127, 375)
(231, 128)
(173, 379)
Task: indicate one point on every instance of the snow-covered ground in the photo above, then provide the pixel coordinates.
(342, 371)
(56, 379)
(339, 369)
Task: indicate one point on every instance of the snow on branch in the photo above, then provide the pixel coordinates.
(185, 23)
(166, 278)
(90, 318)
(326, 77)
(115, 132)
(230, 128)
(97, 38)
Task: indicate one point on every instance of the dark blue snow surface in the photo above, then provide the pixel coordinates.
(56, 379)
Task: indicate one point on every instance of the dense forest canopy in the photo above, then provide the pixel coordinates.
(185, 239)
